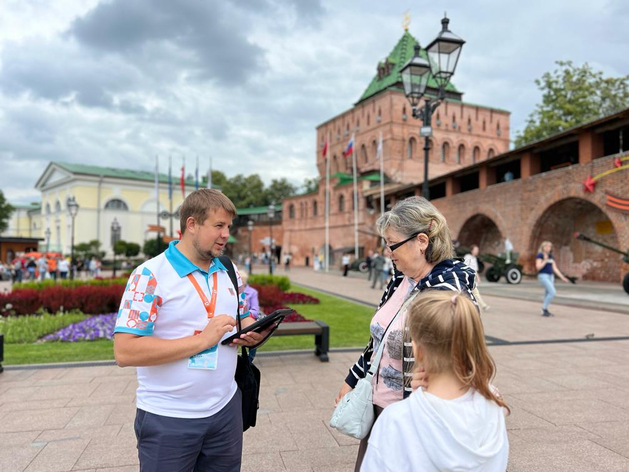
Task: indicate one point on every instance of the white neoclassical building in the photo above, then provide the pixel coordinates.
(103, 193)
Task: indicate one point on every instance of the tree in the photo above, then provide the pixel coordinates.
(5, 212)
(88, 250)
(120, 247)
(311, 185)
(150, 248)
(244, 191)
(132, 250)
(278, 191)
(572, 96)
(218, 179)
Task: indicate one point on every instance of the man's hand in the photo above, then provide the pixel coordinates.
(216, 328)
(345, 389)
(251, 338)
(420, 378)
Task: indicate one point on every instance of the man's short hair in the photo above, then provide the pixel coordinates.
(200, 202)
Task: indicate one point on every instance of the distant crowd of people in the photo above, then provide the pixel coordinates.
(25, 267)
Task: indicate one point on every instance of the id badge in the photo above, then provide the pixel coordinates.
(205, 360)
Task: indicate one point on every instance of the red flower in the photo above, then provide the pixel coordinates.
(617, 162)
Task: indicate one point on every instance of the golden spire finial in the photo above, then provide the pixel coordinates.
(407, 20)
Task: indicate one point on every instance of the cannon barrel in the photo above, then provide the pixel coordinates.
(583, 237)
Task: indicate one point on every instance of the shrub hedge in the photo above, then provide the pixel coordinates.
(280, 281)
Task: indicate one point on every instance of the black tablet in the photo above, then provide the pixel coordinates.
(263, 323)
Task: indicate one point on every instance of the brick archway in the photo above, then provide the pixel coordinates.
(559, 221)
(483, 231)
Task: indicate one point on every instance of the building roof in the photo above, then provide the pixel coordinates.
(401, 54)
(119, 173)
(27, 206)
(256, 210)
(345, 179)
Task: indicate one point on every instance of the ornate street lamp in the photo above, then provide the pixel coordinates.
(250, 228)
(115, 237)
(47, 234)
(73, 209)
(271, 214)
(444, 54)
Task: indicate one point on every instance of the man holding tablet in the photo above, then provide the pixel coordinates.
(175, 310)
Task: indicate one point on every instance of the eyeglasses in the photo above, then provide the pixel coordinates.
(393, 247)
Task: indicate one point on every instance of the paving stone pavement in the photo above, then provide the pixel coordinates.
(568, 392)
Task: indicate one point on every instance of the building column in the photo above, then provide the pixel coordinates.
(590, 146)
(453, 186)
(529, 165)
(486, 176)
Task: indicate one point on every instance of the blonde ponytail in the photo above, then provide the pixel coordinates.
(448, 326)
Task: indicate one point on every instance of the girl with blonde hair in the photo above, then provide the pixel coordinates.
(458, 421)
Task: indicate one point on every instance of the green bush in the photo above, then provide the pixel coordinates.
(71, 283)
(280, 281)
(28, 329)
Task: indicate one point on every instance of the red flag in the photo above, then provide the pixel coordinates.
(325, 148)
(182, 181)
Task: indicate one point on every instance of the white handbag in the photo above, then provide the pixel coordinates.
(354, 415)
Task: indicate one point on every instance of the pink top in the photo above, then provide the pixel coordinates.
(388, 385)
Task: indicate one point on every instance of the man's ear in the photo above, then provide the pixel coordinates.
(191, 224)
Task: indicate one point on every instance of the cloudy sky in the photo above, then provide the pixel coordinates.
(115, 82)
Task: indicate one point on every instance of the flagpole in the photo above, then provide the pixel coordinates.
(170, 193)
(196, 175)
(159, 246)
(355, 200)
(327, 205)
(381, 149)
(209, 175)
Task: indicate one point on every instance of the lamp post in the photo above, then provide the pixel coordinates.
(443, 53)
(271, 214)
(47, 234)
(115, 237)
(73, 209)
(250, 228)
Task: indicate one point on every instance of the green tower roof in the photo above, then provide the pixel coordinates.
(389, 77)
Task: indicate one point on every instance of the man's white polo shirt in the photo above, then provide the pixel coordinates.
(159, 300)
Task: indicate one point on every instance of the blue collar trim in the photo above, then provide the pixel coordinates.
(182, 264)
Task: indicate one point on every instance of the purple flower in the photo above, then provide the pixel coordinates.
(94, 327)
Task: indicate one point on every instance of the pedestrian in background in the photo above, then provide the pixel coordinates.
(345, 263)
(378, 266)
(546, 271)
(471, 260)
(368, 262)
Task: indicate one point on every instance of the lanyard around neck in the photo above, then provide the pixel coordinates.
(210, 305)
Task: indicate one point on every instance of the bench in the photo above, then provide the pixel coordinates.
(1, 351)
(320, 330)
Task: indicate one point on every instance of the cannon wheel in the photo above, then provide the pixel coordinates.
(625, 282)
(492, 274)
(363, 268)
(514, 275)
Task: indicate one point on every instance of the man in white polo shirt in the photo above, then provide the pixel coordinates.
(176, 309)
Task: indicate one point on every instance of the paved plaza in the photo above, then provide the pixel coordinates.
(565, 378)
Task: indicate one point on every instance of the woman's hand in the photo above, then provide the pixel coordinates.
(420, 378)
(345, 389)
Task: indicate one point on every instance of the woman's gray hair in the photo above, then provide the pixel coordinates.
(417, 215)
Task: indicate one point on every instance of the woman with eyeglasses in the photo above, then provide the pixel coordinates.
(418, 241)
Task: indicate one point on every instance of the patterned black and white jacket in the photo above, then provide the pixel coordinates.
(447, 275)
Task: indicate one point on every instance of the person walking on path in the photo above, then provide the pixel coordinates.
(471, 260)
(378, 266)
(64, 267)
(457, 422)
(546, 271)
(418, 240)
(176, 309)
(345, 263)
(368, 261)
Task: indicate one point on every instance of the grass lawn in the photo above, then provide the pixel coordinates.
(44, 353)
(349, 327)
(348, 321)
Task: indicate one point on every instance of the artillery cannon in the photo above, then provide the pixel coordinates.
(625, 255)
(503, 264)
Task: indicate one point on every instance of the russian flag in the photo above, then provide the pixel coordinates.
(350, 147)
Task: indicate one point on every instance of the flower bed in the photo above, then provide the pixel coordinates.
(90, 329)
(90, 299)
